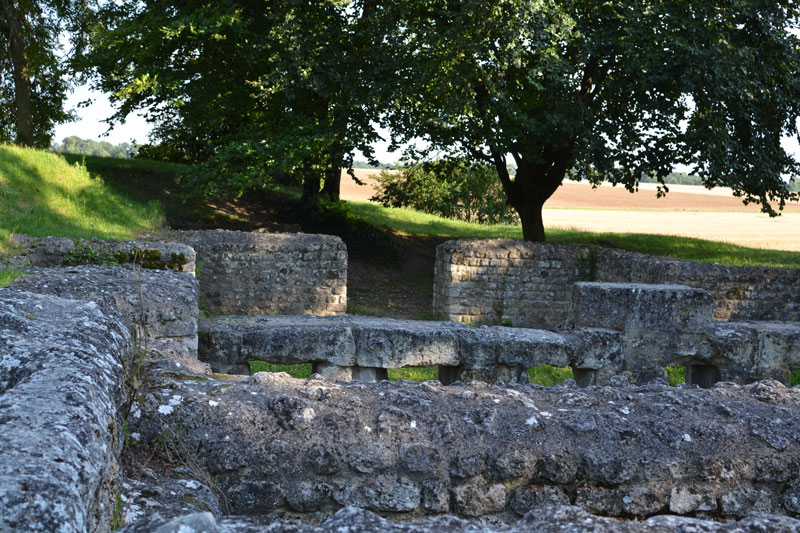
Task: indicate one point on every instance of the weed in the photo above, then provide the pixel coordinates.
(119, 516)
(587, 266)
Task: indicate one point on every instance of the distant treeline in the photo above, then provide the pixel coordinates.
(681, 178)
(76, 145)
(365, 164)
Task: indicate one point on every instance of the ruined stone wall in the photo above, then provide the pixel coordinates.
(505, 281)
(530, 284)
(270, 273)
(740, 293)
(61, 385)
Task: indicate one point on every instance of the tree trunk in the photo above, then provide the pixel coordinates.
(311, 184)
(531, 188)
(333, 182)
(22, 78)
(530, 215)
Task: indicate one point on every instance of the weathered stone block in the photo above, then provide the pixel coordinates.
(157, 304)
(395, 447)
(61, 384)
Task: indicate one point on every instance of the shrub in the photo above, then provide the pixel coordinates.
(455, 189)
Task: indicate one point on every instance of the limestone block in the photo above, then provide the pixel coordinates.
(488, 345)
(638, 307)
(61, 385)
(778, 350)
(391, 343)
(662, 325)
(167, 309)
(596, 352)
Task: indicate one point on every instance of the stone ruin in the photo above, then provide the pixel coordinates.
(336, 452)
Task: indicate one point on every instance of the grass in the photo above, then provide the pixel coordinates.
(542, 375)
(42, 194)
(8, 275)
(413, 222)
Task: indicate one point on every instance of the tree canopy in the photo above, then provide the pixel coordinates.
(33, 68)
(578, 89)
(604, 91)
(250, 89)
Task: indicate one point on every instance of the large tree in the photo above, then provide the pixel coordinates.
(250, 89)
(33, 67)
(610, 90)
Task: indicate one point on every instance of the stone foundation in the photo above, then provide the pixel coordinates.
(530, 284)
(159, 306)
(273, 444)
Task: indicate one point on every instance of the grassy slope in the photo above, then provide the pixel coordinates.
(42, 194)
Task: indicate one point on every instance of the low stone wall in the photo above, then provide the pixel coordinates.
(273, 444)
(61, 384)
(57, 252)
(270, 273)
(160, 306)
(530, 284)
(630, 329)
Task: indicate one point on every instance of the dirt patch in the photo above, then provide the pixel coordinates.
(403, 289)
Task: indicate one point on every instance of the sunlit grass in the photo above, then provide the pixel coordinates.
(413, 222)
(8, 275)
(41, 194)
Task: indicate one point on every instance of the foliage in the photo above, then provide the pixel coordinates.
(8, 275)
(76, 145)
(33, 71)
(364, 240)
(41, 194)
(449, 188)
(608, 91)
(247, 89)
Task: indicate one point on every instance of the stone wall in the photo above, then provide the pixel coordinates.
(530, 284)
(270, 273)
(273, 444)
(58, 252)
(160, 306)
(61, 385)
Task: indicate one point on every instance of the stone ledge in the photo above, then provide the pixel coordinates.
(57, 252)
(61, 384)
(229, 343)
(170, 298)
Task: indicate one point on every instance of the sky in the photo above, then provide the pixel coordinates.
(90, 126)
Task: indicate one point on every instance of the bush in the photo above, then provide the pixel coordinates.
(455, 189)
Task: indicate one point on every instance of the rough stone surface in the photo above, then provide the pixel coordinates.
(530, 284)
(271, 444)
(661, 325)
(169, 310)
(254, 273)
(548, 519)
(57, 252)
(61, 384)
(336, 343)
